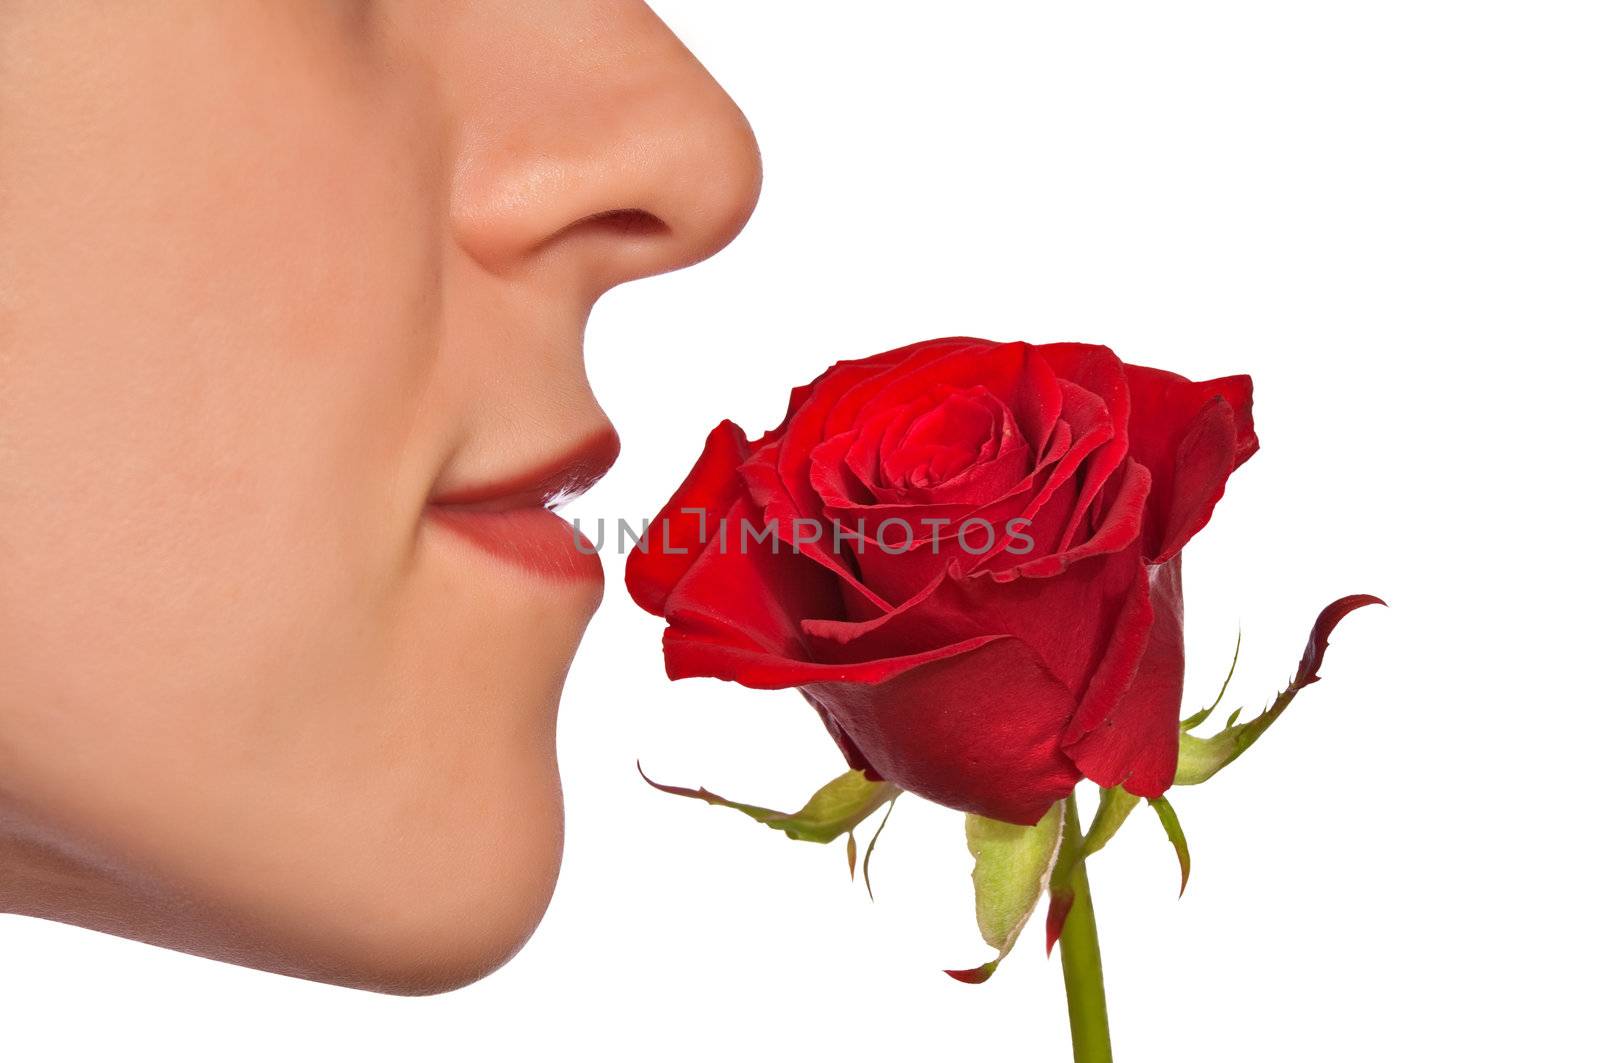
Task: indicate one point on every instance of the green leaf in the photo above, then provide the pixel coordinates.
(1169, 820)
(835, 809)
(1011, 868)
(1201, 758)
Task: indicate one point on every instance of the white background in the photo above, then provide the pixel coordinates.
(1384, 212)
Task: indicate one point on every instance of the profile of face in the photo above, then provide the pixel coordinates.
(292, 296)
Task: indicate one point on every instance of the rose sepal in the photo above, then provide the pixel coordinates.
(1201, 758)
(1012, 865)
(1116, 804)
(837, 808)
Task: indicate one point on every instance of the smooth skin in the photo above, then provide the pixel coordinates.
(272, 272)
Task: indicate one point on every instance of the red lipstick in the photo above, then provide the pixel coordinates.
(511, 518)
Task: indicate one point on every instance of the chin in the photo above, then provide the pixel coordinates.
(448, 857)
(419, 943)
(425, 911)
(412, 866)
(460, 882)
(413, 916)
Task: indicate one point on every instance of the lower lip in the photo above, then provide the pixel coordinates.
(530, 538)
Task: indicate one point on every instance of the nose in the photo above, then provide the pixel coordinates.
(591, 144)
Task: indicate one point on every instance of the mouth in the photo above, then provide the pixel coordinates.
(513, 518)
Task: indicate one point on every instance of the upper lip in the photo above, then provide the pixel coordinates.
(542, 486)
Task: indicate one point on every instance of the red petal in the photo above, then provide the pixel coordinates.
(690, 653)
(1136, 745)
(712, 486)
(976, 730)
(1191, 435)
(1038, 403)
(959, 362)
(1087, 626)
(749, 595)
(1116, 528)
(777, 509)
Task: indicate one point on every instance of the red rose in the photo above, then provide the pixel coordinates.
(965, 555)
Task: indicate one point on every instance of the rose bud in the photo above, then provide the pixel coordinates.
(965, 554)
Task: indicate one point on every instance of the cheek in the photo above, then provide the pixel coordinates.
(236, 669)
(204, 507)
(186, 473)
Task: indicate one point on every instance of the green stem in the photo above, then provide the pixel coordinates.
(1080, 949)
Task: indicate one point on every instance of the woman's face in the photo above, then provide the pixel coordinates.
(274, 275)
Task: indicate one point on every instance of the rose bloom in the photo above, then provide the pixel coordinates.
(965, 554)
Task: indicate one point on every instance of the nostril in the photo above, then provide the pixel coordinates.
(628, 222)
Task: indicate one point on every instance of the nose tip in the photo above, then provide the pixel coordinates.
(624, 156)
(723, 160)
